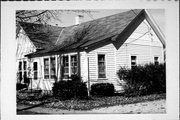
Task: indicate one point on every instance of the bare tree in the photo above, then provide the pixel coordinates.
(82, 32)
(44, 16)
(38, 16)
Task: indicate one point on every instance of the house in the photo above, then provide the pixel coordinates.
(95, 50)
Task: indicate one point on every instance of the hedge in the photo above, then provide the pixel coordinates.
(70, 89)
(20, 86)
(143, 80)
(102, 89)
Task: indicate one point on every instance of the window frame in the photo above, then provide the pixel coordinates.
(131, 61)
(69, 74)
(157, 60)
(73, 62)
(23, 69)
(35, 71)
(105, 63)
(46, 68)
(49, 67)
(67, 67)
(52, 76)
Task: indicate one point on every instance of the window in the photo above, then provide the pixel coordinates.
(35, 69)
(22, 70)
(49, 68)
(20, 65)
(53, 67)
(46, 68)
(156, 60)
(101, 66)
(133, 61)
(24, 65)
(74, 64)
(66, 66)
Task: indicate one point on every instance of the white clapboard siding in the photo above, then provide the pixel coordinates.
(109, 52)
(23, 45)
(84, 66)
(142, 43)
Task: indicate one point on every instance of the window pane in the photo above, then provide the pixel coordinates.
(156, 61)
(35, 75)
(24, 65)
(20, 76)
(66, 67)
(74, 64)
(46, 68)
(20, 65)
(133, 61)
(35, 66)
(101, 66)
(53, 67)
(35, 70)
(102, 76)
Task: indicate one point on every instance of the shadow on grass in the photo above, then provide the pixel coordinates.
(34, 106)
(28, 113)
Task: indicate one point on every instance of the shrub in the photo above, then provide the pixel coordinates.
(20, 86)
(102, 89)
(69, 89)
(143, 80)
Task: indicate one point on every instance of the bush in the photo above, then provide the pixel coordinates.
(143, 80)
(102, 89)
(70, 89)
(20, 86)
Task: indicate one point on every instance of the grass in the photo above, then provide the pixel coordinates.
(86, 104)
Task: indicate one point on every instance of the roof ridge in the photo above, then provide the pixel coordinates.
(102, 18)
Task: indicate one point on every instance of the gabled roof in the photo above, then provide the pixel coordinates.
(110, 28)
(41, 35)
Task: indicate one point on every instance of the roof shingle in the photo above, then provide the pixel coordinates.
(99, 30)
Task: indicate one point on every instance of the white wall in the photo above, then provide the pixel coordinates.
(142, 43)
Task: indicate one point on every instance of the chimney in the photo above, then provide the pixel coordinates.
(79, 19)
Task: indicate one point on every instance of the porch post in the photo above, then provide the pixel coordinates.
(88, 77)
(79, 64)
(59, 68)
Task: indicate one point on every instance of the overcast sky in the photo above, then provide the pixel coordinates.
(68, 18)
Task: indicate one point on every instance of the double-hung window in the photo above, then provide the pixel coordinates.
(101, 66)
(66, 66)
(46, 68)
(49, 68)
(156, 60)
(70, 65)
(133, 61)
(53, 67)
(74, 64)
(35, 70)
(20, 71)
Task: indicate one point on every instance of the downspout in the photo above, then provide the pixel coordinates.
(79, 63)
(88, 77)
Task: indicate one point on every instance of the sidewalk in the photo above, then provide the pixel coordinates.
(152, 107)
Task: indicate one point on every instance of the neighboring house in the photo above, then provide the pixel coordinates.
(95, 50)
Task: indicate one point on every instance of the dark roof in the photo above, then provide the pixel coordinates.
(98, 30)
(43, 36)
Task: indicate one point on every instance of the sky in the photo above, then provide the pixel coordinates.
(68, 18)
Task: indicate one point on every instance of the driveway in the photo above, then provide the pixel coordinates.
(158, 106)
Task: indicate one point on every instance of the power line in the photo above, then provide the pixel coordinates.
(149, 29)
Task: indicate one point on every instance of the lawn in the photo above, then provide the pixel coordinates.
(86, 104)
